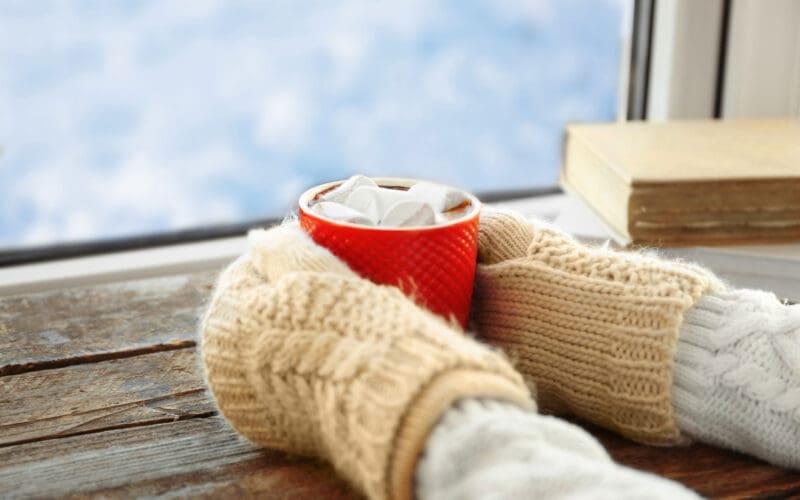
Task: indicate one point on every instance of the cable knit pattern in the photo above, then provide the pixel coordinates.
(484, 450)
(737, 375)
(327, 364)
(594, 328)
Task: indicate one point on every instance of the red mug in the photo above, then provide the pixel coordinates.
(433, 265)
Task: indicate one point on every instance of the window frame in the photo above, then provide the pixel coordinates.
(714, 59)
(687, 59)
(762, 69)
(200, 255)
(30, 255)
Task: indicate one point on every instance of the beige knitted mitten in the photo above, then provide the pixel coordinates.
(303, 356)
(594, 328)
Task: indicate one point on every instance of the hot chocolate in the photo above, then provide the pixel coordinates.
(360, 200)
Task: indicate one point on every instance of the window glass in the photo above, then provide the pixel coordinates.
(131, 117)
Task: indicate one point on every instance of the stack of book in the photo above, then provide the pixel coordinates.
(689, 182)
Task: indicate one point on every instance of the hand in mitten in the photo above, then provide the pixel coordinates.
(301, 355)
(653, 349)
(594, 328)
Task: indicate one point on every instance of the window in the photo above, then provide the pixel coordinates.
(717, 58)
(123, 118)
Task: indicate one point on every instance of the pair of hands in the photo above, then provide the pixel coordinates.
(303, 355)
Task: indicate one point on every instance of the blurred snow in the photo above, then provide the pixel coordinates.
(139, 116)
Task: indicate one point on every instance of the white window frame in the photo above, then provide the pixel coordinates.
(120, 266)
(720, 59)
(684, 59)
(183, 258)
(762, 70)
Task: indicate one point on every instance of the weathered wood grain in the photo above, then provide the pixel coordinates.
(200, 457)
(76, 325)
(708, 470)
(145, 389)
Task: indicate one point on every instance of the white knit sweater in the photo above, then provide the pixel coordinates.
(485, 450)
(737, 375)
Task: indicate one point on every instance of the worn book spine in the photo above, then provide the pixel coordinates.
(586, 174)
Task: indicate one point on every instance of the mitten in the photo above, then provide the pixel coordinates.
(595, 329)
(301, 355)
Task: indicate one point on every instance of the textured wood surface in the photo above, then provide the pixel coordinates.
(61, 328)
(93, 397)
(101, 396)
(710, 471)
(197, 457)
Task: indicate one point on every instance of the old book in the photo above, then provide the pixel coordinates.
(689, 182)
(765, 267)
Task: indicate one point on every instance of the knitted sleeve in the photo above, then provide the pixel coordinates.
(484, 449)
(737, 375)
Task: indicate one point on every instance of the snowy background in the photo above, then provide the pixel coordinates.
(132, 117)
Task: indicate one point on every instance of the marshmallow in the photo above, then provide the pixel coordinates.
(359, 200)
(374, 202)
(440, 197)
(340, 194)
(409, 213)
(342, 213)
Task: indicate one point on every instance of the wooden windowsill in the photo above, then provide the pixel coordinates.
(100, 392)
